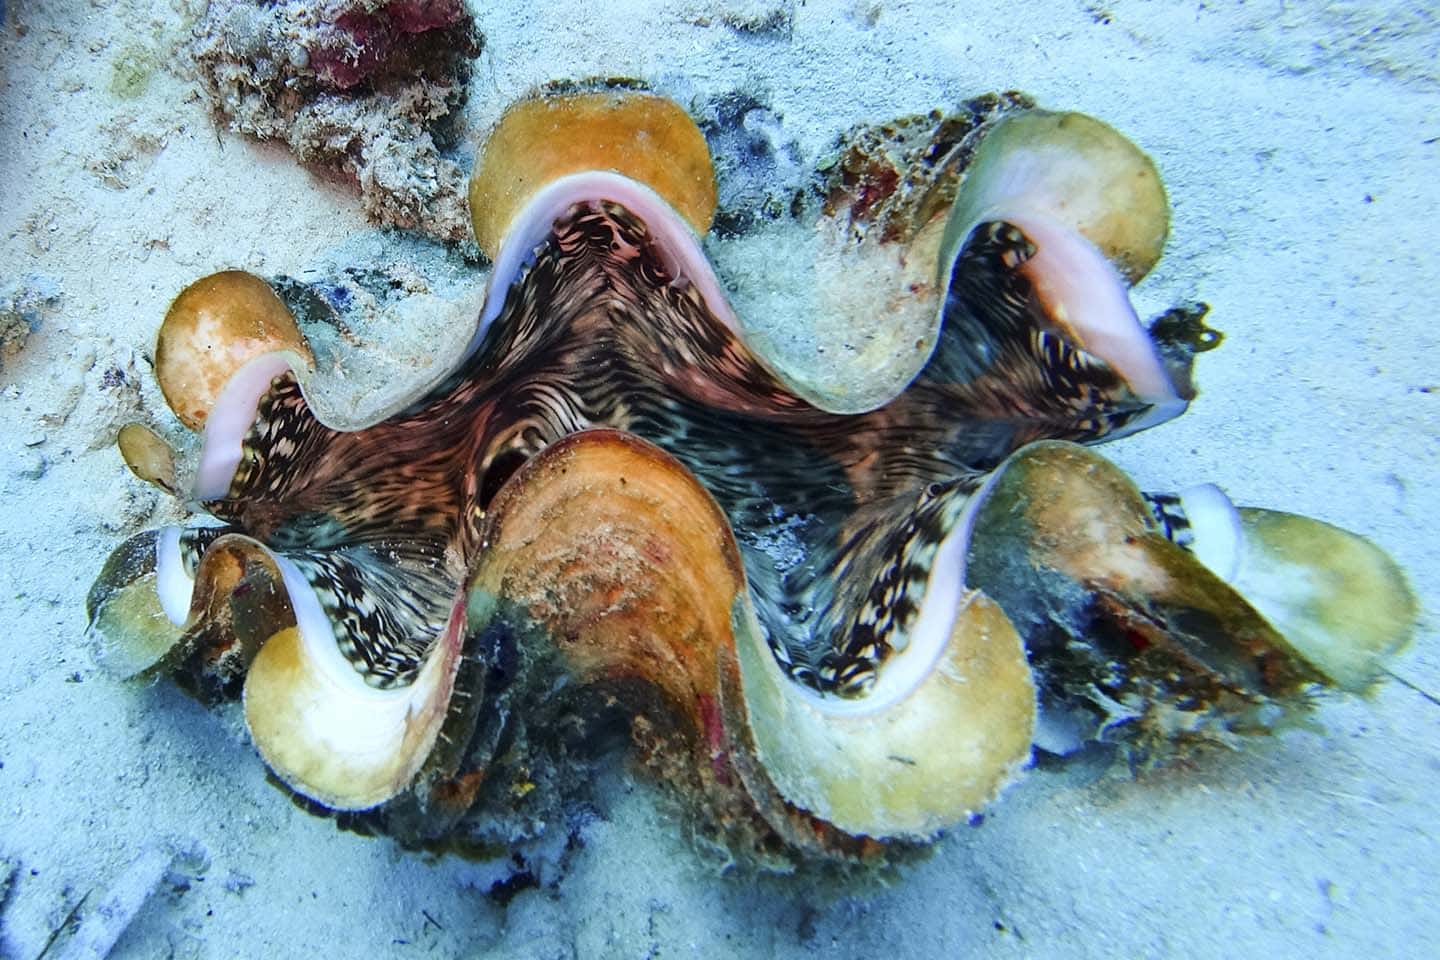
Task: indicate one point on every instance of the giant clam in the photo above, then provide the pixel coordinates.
(832, 632)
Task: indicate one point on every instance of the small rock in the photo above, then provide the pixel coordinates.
(237, 882)
(23, 305)
(760, 18)
(30, 465)
(8, 869)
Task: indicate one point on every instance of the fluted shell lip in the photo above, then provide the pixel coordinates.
(618, 569)
(215, 327)
(923, 763)
(674, 238)
(326, 733)
(231, 417)
(947, 725)
(515, 203)
(642, 136)
(323, 731)
(1082, 294)
(1093, 211)
(1076, 170)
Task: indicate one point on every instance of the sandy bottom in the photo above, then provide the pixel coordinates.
(1299, 145)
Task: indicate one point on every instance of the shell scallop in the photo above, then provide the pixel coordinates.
(1075, 170)
(638, 135)
(212, 329)
(1342, 602)
(148, 456)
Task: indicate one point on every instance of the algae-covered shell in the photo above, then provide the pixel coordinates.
(214, 327)
(647, 138)
(1115, 614)
(129, 629)
(618, 572)
(620, 557)
(611, 547)
(1338, 598)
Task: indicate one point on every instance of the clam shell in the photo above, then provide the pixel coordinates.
(857, 670)
(1339, 599)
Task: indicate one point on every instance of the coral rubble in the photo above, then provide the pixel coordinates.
(362, 88)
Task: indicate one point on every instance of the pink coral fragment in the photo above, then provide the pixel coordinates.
(363, 44)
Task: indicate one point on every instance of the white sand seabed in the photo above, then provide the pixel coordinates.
(1298, 143)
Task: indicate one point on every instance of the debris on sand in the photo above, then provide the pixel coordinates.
(366, 89)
